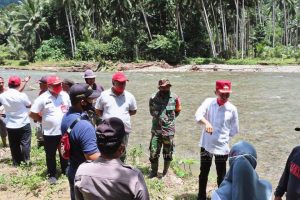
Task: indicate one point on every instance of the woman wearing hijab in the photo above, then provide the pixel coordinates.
(242, 181)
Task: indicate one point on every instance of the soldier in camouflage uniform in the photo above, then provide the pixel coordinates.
(164, 108)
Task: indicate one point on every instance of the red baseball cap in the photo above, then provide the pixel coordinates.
(53, 80)
(119, 76)
(223, 86)
(14, 81)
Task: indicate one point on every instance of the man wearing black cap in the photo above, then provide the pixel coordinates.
(82, 137)
(108, 177)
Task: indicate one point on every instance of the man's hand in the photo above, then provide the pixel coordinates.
(208, 128)
(27, 78)
(277, 198)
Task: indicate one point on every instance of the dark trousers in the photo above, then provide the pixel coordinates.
(20, 143)
(51, 144)
(205, 163)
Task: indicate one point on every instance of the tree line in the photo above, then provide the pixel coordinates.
(130, 30)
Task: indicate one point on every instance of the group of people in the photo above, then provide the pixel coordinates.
(98, 124)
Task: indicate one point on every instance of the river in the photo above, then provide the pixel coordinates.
(268, 106)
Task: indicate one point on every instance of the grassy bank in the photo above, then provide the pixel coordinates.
(30, 181)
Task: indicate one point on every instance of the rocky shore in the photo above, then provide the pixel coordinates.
(159, 67)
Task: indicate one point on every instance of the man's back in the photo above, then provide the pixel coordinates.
(109, 179)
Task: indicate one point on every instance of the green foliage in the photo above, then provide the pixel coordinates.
(180, 166)
(52, 49)
(95, 49)
(135, 154)
(166, 47)
(23, 62)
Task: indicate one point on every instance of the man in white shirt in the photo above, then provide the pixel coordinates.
(117, 102)
(16, 105)
(220, 119)
(49, 109)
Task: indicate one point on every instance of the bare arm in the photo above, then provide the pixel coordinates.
(35, 116)
(22, 86)
(208, 126)
(93, 156)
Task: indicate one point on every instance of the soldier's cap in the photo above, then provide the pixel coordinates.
(68, 82)
(43, 79)
(110, 132)
(164, 82)
(82, 90)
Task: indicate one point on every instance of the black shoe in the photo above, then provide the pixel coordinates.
(152, 175)
(52, 180)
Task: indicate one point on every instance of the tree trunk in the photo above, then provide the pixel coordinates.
(212, 44)
(223, 26)
(216, 29)
(72, 28)
(237, 27)
(273, 23)
(179, 27)
(146, 22)
(285, 23)
(70, 32)
(243, 28)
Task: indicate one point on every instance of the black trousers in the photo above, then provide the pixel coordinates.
(20, 144)
(51, 144)
(205, 164)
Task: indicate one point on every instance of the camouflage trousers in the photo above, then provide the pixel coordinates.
(158, 141)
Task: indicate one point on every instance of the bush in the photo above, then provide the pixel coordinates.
(95, 50)
(166, 47)
(53, 49)
(23, 62)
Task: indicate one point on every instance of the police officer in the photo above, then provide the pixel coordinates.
(164, 108)
(108, 177)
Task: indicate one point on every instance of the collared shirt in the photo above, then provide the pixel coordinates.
(109, 179)
(225, 123)
(15, 104)
(52, 109)
(164, 110)
(117, 106)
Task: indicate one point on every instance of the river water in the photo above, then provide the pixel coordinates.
(268, 106)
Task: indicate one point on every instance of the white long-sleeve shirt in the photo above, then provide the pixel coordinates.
(225, 123)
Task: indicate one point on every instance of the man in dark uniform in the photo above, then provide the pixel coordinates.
(108, 177)
(164, 108)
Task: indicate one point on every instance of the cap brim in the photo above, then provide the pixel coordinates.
(225, 91)
(164, 85)
(94, 95)
(121, 80)
(94, 76)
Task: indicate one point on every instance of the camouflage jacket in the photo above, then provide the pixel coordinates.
(164, 110)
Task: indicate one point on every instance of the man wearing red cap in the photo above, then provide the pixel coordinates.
(49, 109)
(16, 105)
(220, 119)
(117, 102)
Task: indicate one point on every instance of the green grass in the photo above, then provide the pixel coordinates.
(246, 61)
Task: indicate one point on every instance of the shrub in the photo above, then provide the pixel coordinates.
(23, 62)
(166, 47)
(53, 49)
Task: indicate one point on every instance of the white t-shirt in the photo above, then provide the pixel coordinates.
(15, 104)
(52, 110)
(225, 123)
(117, 106)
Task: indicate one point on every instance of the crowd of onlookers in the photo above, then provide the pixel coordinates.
(96, 125)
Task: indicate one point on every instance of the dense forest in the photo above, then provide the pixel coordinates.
(130, 30)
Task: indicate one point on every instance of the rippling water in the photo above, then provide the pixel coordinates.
(268, 106)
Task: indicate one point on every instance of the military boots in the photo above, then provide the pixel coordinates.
(154, 169)
(166, 167)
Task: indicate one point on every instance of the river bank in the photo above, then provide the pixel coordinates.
(155, 67)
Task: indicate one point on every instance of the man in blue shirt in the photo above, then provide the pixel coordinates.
(82, 137)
